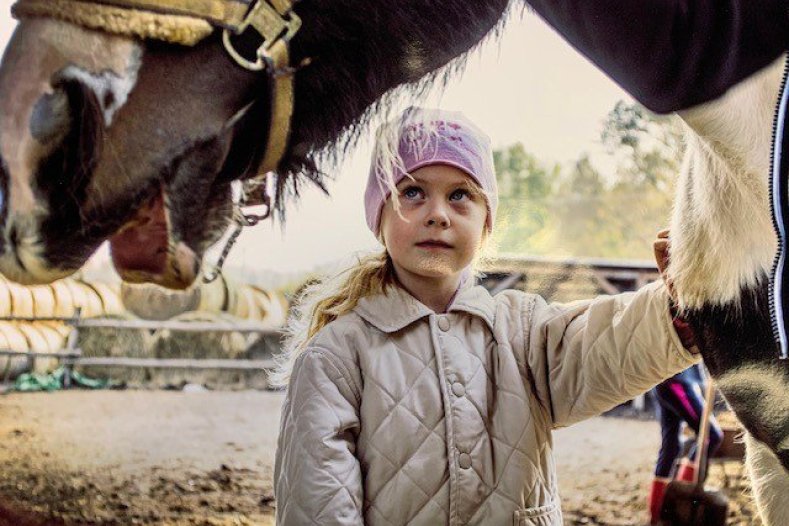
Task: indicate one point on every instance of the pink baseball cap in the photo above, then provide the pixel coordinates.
(422, 137)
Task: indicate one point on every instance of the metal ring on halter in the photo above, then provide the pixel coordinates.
(270, 24)
(242, 220)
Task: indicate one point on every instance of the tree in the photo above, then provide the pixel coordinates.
(525, 188)
(582, 211)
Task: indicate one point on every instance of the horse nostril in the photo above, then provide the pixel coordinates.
(13, 236)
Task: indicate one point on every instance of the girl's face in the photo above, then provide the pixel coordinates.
(442, 224)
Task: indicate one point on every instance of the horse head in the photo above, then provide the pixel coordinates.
(111, 133)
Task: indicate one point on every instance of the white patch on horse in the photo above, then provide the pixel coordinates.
(111, 89)
(722, 238)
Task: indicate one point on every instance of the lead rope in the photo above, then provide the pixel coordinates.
(254, 192)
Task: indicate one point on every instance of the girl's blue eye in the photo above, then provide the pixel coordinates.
(457, 195)
(412, 192)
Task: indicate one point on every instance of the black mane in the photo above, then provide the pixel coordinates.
(364, 55)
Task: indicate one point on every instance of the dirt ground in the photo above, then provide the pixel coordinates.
(206, 458)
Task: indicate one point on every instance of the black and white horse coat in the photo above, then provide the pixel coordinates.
(723, 245)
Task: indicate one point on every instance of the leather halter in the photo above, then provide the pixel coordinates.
(273, 20)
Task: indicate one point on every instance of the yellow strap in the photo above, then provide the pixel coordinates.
(175, 29)
(281, 109)
(228, 13)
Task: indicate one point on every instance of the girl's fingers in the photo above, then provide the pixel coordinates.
(663, 234)
(661, 250)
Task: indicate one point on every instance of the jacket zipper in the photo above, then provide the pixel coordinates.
(779, 286)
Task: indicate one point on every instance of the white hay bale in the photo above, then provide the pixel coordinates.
(12, 339)
(43, 301)
(90, 303)
(64, 302)
(21, 301)
(111, 304)
(79, 297)
(214, 295)
(59, 327)
(37, 342)
(152, 302)
(5, 298)
(247, 306)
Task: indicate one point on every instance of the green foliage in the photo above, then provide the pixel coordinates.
(583, 211)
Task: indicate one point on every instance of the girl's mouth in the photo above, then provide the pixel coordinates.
(433, 245)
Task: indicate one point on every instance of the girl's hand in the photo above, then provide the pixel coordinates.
(685, 332)
(661, 248)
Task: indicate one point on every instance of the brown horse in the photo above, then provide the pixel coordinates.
(104, 136)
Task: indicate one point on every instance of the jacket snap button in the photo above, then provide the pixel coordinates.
(443, 323)
(458, 389)
(464, 460)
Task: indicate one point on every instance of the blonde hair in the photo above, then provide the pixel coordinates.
(324, 300)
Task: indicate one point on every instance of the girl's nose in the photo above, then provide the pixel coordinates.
(437, 215)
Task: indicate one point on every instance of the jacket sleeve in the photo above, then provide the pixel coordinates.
(673, 54)
(317, 477)
(587, 357)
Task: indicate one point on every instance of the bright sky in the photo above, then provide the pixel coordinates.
(528, 86)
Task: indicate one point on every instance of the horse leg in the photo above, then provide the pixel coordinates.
(769, 488)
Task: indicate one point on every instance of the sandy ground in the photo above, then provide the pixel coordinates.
(159, 457)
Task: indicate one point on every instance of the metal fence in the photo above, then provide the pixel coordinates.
(71, 355)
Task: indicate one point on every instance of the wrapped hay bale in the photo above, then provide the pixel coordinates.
(11, 338)
(111, 342)
(38, 342)
(246, 304)
(21, 300)
(5, 298)
(110, 299)
(152, 302)
(201, 345)
(214, 296)
(43, 301)
(87, 299)
(64, 303)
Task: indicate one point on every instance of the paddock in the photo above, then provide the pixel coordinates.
(206, 458)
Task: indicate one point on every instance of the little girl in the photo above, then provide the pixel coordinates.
(416, 397)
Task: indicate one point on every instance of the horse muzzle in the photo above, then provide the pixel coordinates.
(146, 251)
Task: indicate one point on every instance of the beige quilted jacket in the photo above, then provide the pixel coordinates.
(398, 415)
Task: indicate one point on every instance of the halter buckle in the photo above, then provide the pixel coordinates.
(270, 24)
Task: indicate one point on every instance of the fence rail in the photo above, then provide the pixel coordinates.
(71, 355)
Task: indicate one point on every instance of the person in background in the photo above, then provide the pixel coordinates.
(680, 400)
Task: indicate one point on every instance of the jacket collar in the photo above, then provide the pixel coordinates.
(396, 309)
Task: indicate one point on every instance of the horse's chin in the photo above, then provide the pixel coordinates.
(145, 250)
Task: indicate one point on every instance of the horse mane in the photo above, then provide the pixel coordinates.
(365, 58)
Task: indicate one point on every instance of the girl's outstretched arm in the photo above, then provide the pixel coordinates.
(589, 356)
(317, 478)
(673, 54)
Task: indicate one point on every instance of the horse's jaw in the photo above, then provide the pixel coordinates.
(144, 250)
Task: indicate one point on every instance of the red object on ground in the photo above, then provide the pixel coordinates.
(686, 472)
(655, 500)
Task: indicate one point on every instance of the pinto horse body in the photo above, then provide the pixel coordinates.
(104, 136)
(723, 244)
